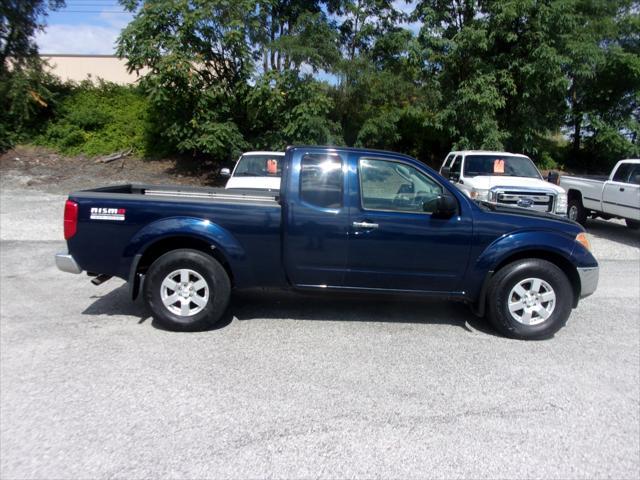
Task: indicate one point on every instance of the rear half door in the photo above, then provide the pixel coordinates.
(315, 219)
(394, 244)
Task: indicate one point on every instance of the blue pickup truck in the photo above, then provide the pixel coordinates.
(344, 220)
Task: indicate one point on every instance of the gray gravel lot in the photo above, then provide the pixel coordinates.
(301, 387)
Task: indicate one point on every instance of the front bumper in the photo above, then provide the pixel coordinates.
(66, 263)
(588, 280)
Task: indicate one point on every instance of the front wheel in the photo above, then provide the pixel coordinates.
(187, 290)
(529, 299)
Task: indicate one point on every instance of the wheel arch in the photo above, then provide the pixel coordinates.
(174, 233)
(557, 259)
(553, 257)
(573, 194)
(143, 260)
(167, 244)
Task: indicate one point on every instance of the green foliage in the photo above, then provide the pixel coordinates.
(29, 97)
(99, 120)
(26, 91)
(19, 21)
(285, 109)
(547, 162)
(557, 79)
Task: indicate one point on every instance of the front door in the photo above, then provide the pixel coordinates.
(394, 242)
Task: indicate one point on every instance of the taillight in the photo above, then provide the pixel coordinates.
(70, 219)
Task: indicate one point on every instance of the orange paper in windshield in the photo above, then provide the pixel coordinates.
(498, 166)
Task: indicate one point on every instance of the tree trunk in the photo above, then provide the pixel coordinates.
(272, 36)
(576, 119)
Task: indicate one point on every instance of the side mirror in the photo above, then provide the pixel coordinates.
(446, 206)
(445, 172)
(225, 172)
(553, 177)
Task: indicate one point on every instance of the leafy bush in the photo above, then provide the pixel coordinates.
(28, 97)
(98, 120)
(547, 162)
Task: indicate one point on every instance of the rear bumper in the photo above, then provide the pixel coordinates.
(66, 263)
(588, 280)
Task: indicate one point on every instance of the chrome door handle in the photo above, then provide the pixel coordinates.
(365, 225)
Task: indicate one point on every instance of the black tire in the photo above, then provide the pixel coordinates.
(632, 224)
(507, 278)
(576, 211)
(218, 284)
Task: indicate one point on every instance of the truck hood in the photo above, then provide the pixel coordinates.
(485, 182)
(524, 212)
(260, 183)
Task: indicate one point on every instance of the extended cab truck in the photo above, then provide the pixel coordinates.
(503, 178)
(615, 196)
(344, 220)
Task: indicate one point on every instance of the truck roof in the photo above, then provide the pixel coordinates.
(355, 149)
(483, 152)
(279, 154)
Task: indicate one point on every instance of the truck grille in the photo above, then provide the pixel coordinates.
(532, 200)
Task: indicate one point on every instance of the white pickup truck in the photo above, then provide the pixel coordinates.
(503, 178)
(615, 196)
(255, 171)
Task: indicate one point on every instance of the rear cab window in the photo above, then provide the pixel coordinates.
(322, 180)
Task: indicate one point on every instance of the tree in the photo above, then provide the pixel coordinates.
(25, 89)
(367, 93)
(205, 82)
(19, 21)
(512, 73)
(603, 67)
(199, 59)
(526, 51)
(292, 33)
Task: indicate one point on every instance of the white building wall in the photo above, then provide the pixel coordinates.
(91, 67)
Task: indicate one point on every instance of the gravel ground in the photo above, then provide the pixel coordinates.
(304, 387)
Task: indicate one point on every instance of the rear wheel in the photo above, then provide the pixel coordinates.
(576, 211)
(529, 299)
(632, 224)
(187, 290)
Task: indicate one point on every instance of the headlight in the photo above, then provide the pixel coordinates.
(561, 205)
(477, 194)
(582, 239)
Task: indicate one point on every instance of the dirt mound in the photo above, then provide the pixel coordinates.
(27, 166)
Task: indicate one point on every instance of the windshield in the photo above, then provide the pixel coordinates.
(506, 166)
(259, 166)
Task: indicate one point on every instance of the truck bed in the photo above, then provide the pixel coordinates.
(187, 192)
(117, 221)
(593, 178)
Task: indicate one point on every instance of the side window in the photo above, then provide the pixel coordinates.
(447, 161)
(634, 176)
(395, 186)
(622, 173)
(321, 180)
(455, 167)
